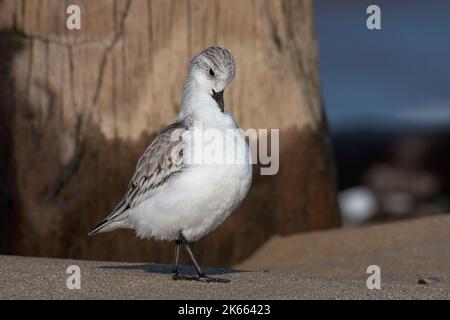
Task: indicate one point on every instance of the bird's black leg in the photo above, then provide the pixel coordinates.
(201, 275)
(194, 261)
(175, 274)
(175, 260)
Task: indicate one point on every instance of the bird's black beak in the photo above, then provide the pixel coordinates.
(218, 97)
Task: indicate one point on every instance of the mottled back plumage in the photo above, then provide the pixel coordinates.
(160, 161)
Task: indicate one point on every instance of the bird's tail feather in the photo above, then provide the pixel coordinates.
(113, 221)
(100, 227)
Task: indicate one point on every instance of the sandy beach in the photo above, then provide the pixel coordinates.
(317, 265)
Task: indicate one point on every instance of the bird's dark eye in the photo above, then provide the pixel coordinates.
(211, 72)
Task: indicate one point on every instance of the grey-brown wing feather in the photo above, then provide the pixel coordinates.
(162, 160)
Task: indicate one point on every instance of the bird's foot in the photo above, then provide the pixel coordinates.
(216, 280)
(177, 277)
(200, 278)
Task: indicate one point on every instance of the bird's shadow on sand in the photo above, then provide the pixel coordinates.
(167, 269)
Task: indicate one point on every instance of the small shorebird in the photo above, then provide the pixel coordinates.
(173, 198)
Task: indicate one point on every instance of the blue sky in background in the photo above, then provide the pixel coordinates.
(393, 79)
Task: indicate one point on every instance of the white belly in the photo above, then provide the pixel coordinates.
(198, 200)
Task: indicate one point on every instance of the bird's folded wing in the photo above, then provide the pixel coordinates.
(162, 160)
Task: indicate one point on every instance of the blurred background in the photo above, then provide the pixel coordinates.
(387, 98)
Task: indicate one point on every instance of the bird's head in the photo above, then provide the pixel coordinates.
(213, 69)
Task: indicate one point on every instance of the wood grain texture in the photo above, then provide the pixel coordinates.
(85, 104)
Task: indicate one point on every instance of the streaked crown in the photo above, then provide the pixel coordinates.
(219, 59)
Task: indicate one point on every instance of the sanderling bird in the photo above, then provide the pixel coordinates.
(175, 199)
